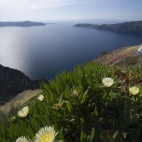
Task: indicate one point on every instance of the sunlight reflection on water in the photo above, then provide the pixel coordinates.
(46, 50)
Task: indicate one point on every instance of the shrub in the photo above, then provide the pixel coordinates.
(81, 108)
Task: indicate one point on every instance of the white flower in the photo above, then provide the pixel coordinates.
(134, 90)
(45, 134)
(40, 97)
(22, 139)
(107, 81)
(23, 112)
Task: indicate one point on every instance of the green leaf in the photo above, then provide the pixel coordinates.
(124, 135)
(115, 135)
(92, 134)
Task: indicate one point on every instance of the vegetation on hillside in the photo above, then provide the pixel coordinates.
(134, 27)
(93, 103)
(112, 58)
(130, 61)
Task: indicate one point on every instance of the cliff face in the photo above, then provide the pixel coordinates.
(134, 27)
(13, 82)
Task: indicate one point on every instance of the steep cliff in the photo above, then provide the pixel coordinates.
(134, 27)
(13, 82)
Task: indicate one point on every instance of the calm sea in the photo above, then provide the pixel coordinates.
(47, 50)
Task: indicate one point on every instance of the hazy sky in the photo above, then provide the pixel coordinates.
(39, 10)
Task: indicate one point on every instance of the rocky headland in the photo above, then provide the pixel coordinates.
(13, 82)
(134, 27)
(21, 24)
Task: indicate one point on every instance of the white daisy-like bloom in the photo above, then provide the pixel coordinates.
(107, 81)
(24, 111)
(134, 90)
(22, 139)
(45, 134)
(40, 97)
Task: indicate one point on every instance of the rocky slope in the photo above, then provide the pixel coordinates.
(13, 82)
(134, 27)
(19, 100)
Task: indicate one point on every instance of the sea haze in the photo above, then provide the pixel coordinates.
(44, 51)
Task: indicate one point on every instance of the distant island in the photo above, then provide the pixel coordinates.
(134, 27)
(21, 24)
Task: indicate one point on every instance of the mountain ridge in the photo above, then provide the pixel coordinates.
(134, 27)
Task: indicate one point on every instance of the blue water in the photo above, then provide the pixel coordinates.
(47, 50)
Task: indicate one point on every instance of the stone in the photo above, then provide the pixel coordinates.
(139, 51)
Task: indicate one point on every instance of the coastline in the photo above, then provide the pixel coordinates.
(134, 27)
(104, 59)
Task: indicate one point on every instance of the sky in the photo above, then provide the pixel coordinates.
(52, 10)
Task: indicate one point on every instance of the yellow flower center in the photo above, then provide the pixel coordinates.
(57, 106)
(46, 138)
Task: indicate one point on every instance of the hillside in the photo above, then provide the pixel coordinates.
(13, 82)
(21, 24)
(112, 58)
(93, 103)
(19, 100)
(134, 27)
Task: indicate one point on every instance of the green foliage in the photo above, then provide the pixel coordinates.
(82, 109)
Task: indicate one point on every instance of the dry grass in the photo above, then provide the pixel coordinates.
(20, 100)
(129, 61)
(130, 51)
